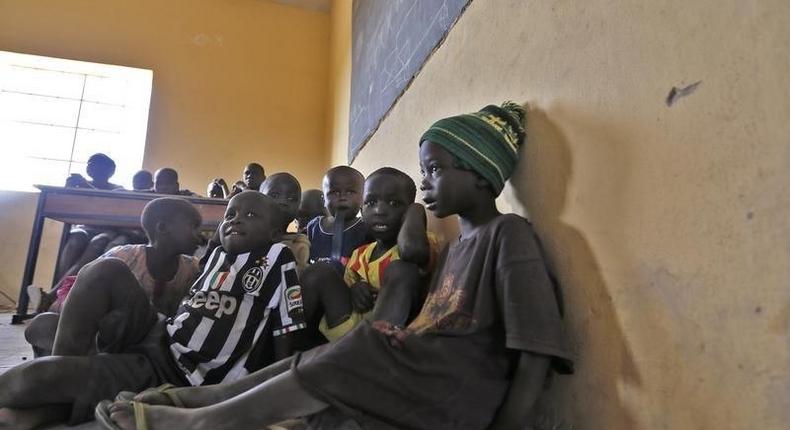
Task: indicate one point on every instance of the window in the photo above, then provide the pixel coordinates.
(56, 113)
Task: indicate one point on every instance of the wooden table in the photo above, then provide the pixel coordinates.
(96, 208)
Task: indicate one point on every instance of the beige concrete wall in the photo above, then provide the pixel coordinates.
(234, 81)
(666, 225)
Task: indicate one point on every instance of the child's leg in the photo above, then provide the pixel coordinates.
(119, 240)
(19, 409)
(40, 333)
(323, 287)
(100, 288)
(44, 381)
(275, 400)
(196, 397)
(74, 247)
(91, 252)
(400, 293)
(72, 384)
(32, 418)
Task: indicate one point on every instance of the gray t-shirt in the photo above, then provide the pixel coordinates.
(489, 298)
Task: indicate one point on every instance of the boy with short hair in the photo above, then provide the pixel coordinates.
(378, 266)
(143, 181)
(100, 169)
(333, 238)
(286, 191)
(311, 206)
(477, 355)
(251, 179)
(164, 268)
(237, 317)
(166, 182)
(253, 176)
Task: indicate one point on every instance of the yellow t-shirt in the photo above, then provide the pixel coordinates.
(360, 267)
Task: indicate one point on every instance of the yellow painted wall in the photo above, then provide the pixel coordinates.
(339, 81)
(234, 81)
(666, 225)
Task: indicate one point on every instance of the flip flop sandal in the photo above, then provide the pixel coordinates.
(103, 415)
(165, 389)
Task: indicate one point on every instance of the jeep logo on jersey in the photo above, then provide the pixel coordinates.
(223, 304)
(252, 279)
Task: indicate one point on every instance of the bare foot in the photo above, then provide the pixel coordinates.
(157, 417)
(183, 397)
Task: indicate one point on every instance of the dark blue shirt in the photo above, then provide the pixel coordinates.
(354, 236)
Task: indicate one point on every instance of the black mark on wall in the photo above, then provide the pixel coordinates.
(676, 93)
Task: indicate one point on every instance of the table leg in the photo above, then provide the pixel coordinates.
(30, 262)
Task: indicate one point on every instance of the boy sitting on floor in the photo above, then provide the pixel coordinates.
(285, 190)
(477, 355)
(333, 238)
(164, 268)
(237, 317)
(380, 266)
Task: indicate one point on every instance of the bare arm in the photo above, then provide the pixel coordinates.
(284, 346)
(413, 236)
(524, 390)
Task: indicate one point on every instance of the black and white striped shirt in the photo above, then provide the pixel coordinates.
(224, 328)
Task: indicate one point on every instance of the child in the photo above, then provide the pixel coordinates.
(100, 168)
(237, 317)
(143, 181)
(164, 268)
(285, 190)
(476, 356)
(85, 243)
(251, 179)
(253, 176)
(216, 189)
(389, 194)
(166, 182)
(312, 205)
(334, 237)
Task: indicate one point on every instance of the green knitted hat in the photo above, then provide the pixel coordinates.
(487, 141)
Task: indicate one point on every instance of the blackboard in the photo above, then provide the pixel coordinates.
(391, 40)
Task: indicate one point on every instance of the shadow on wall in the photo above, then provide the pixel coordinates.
(604, 363)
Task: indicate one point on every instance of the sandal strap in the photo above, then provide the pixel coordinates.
(139, 416)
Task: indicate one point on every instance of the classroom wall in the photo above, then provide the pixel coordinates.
(234, 81)
(339, 90)
(667, 226)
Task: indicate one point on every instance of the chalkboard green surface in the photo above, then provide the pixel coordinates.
(391, 40)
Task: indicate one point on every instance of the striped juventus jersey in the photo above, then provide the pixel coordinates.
(225, 326)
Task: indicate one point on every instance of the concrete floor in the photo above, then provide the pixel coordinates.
(13, 348)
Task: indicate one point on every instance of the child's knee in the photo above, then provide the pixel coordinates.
(314, 274)
(99, 242)
(78, 238)
(106, 268)
(42, 328)
(100, 273)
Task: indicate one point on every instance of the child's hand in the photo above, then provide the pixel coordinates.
(75, 180)
(363, 296)
(237, 188)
